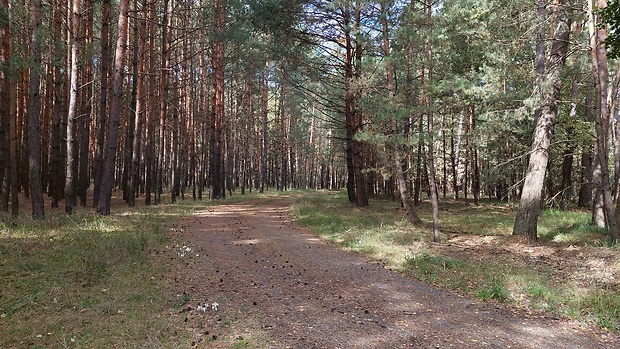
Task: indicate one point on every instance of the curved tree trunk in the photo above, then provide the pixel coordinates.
(526, 221)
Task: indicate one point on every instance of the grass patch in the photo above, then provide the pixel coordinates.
(85, 280)
(425, 266)
(603, 306)
(482, 280)
(484, 267)
(570, 227)
(494, 289)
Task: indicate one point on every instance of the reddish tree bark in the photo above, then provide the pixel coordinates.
(5, 116)
(216, 160)
(107, 182)
(34, 99)
(103, 102)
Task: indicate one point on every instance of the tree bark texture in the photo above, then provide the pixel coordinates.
(5, 112)
(9, 96)
(356, 184)
(216, 160)
(431, 131)
(103, 101)
(598, 54)
(57, 171)
(585, 191)
(138, 114)
(87, 76)
(150, 119)
(163, 99)
(72, 148)
(265, 131)
(107, 181)
(526, 222)
(34, 98)
(398, 166)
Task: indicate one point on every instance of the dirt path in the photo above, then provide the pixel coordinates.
(301, 292)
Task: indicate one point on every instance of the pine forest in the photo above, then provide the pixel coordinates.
(165, 100)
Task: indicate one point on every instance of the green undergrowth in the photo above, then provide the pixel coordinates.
(382, 232)
(571, 227)
(86, 281)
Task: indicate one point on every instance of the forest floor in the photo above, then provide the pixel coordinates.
(269, 283)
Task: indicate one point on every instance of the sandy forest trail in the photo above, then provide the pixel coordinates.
(302, 292)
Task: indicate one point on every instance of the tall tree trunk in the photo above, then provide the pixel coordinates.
(431, 131)
(56, 185)
(475, 180)
(248, 129)
(444, 184)
(103, 102)
(130, 127)
(216, 160)
(203, 126)
(107, 182)
(455, 184)
(22, 130)
(359, 147)
(598, 56)
(567, 157)
(5, 115)
(163, 98)
(8, 105)
(398, 166)
(541, 43)
(150, 119)
(349, 107)
(175, 163)
(87, 78)
(526, 222)
(139, 42)
(459, 160)
(585, 191)
(72, 150)
(615, 106)
(417, 183)
(34, 156)
(284, 142)
(265, 114)
(356, 186)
